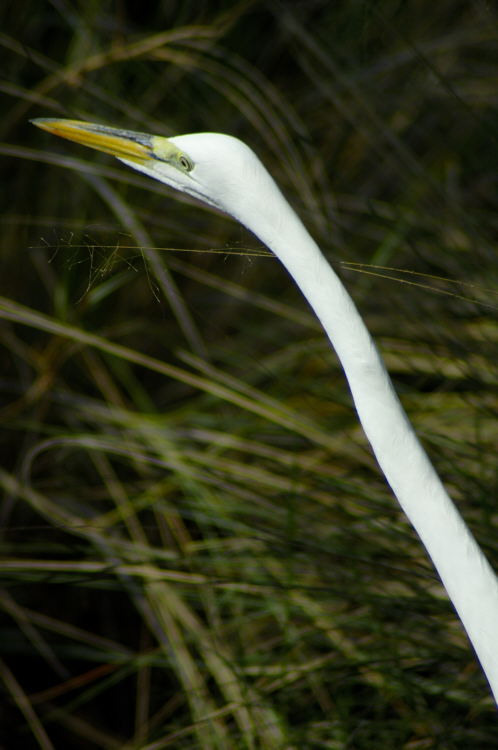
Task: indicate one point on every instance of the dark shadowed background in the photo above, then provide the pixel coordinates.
(198, 550)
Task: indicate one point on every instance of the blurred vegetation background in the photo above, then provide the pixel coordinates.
(198, 550)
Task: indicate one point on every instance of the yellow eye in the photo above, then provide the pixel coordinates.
(164, 150)
(185, 163)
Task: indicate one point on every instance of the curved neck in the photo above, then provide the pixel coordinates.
(469, 580)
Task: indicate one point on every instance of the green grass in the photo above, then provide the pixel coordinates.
(198, 550)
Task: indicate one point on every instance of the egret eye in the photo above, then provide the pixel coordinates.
(185, 163)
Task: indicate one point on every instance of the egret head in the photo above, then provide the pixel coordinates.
(217, 169)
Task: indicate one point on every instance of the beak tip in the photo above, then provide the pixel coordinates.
(43, 122)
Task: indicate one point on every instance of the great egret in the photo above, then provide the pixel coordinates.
(224, 172)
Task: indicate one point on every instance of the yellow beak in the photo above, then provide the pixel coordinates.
(125, 144)
(140, 148)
